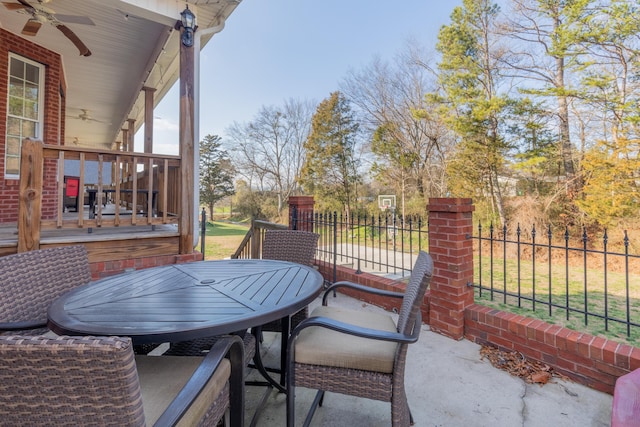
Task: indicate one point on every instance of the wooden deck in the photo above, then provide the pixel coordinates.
(106, 243)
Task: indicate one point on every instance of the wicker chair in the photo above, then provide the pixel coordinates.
(358, 353)
(85, 381)
(32, 280)
(294, 246)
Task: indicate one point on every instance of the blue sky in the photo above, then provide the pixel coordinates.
(273, 50)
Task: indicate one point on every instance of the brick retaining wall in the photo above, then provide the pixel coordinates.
(450, 310)
(100, 270)
(593, 361)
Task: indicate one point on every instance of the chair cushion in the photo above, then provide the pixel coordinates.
(162, 378)
(322, 346)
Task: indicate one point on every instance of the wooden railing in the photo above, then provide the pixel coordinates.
(251, 245)
(145, 185)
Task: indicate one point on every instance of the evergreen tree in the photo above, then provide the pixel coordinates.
(216, 172)
(330, 170)
(472, 106)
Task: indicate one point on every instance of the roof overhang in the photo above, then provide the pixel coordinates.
(133, 43)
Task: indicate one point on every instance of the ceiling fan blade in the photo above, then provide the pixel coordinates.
(84, 50)
(14, 6)
(74, 19)
(31, 27)
(25, 4)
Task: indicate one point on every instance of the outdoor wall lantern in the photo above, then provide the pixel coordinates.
(189, 25)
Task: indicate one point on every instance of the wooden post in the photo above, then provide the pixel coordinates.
(148, 119)
(187, 150)
(131, 134)
(125, 148)
(30, 205)
(256, 241)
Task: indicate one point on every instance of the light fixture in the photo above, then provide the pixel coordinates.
(189, 25)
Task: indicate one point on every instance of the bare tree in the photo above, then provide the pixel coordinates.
(269, 150)
(408, 143)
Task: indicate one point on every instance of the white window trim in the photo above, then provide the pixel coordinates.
(41, 89)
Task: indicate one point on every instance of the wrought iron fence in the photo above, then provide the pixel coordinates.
(584, 283)
(581, 282)
(379, 244)
(575, 281)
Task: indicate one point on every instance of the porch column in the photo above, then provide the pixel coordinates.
(131, 133)
(451, 247)
(148, 119)
(125, 148)
(187, 147)
(131, 123)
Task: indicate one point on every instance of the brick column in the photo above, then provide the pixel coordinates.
(301, 213)
(451, 247)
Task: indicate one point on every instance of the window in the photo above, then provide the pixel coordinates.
(24, 118)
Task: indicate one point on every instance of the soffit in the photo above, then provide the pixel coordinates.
(133, 44)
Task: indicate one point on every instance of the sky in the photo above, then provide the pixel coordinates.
(274, 50)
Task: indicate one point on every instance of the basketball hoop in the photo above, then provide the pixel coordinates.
(386, 202)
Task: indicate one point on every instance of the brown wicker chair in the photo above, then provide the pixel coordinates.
(83, 381)
(293, 246)
(32, 280)
(358, 353)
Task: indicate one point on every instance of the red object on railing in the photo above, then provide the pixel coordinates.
(72, 187)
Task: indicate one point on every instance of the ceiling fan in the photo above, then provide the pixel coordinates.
(86, 117)
(41, 14)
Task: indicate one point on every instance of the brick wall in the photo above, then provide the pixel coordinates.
(100, 270)
(589, 360)
(53, 84)
(449, 308)
(367, 279)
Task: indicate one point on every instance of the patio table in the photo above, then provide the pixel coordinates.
(189, 301)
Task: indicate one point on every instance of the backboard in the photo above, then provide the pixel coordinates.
(387, 201)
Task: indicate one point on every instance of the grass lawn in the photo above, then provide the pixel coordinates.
(559, 286)
(222, 239)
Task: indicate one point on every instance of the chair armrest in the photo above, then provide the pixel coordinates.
(234, 347)
(358, 287)
(348, 328)
(22, 325)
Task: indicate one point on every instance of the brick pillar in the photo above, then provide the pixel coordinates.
(301, 213)
(451, 247)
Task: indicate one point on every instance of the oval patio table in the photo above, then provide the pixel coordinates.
(188, 301)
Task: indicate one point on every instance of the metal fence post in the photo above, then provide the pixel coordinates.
(203, 231)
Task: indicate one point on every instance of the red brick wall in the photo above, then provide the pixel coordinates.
(54, 83)
(593, 361)
(450, 222)
(303, 207)
(371, 280)
(109, 268)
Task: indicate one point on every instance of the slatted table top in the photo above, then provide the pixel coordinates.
(186, 301)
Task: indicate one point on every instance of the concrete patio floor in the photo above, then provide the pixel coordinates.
(448, 384)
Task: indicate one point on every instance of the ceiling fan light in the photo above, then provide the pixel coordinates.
(31, 27)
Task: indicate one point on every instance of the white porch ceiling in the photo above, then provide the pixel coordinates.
(133, 45)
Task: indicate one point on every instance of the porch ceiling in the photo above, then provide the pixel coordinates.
(133, 45)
